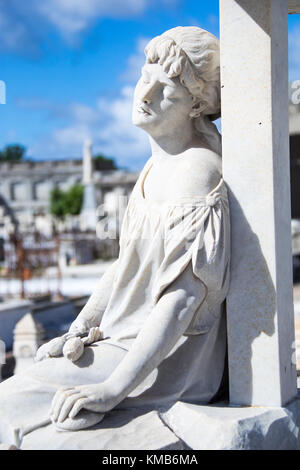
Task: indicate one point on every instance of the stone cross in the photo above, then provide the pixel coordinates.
(254, 80)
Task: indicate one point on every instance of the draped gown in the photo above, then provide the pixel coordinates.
(157, 244)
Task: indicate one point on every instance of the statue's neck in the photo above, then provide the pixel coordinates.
(172, 143)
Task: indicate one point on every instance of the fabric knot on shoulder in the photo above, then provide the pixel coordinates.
(212, 200)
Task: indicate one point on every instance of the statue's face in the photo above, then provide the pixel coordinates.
(161, 104)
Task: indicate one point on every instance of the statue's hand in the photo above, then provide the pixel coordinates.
(68, 402)
(80, 326)
(53, 348)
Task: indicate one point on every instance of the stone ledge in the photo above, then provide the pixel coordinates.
(223, 427)
(119, 430)
(180, 427)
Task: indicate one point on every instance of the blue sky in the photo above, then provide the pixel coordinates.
(70, 67)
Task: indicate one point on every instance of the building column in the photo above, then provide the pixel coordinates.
(254, 76)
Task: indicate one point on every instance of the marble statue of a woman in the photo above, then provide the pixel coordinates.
(160, 305)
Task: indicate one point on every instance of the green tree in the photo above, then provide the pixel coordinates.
(73, 199)
(57, 206)
(104, 163)
(12, 153)
(68, 202)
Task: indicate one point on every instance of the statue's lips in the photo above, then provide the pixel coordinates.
(143, 110)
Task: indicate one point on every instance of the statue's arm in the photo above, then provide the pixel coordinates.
(92, 312)
(165, 325)
(89, 317)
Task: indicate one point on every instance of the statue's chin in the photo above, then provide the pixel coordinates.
(138, 122)
(144, 121)
(145, 126)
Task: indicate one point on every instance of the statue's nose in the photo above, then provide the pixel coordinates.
(147, 94)
(146, 97)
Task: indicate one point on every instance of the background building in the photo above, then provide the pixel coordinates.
(26, 187)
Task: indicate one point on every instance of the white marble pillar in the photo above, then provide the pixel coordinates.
(254, 75)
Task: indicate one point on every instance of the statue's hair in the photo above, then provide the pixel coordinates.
(193, 55)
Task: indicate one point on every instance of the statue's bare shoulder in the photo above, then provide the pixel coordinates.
(197, 173)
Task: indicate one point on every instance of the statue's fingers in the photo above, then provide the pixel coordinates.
(41, 353)
(68, 405)
(92, 335)
(95, 334)
(54, 410)
(78, 327)
(58, 401)
(39, 357)
(56, 397)
(98, 334)
(78, 405)
(58, 404)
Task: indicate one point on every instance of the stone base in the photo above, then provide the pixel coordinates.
(182, 426)
(119, 430)
(223, 427)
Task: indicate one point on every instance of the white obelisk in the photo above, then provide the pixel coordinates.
(88, 218)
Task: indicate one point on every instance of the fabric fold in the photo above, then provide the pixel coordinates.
(197, 231)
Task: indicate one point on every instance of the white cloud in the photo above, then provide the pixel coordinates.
(119, 136)
(71, 17)
(24, 25)
(135, 61)
(12, 33)
(108, 125)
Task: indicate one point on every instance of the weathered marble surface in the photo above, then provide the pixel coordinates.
(225, 427)
(161, 305)
(173, 319)
(255, 159)
(126, 429)
(183, 426)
